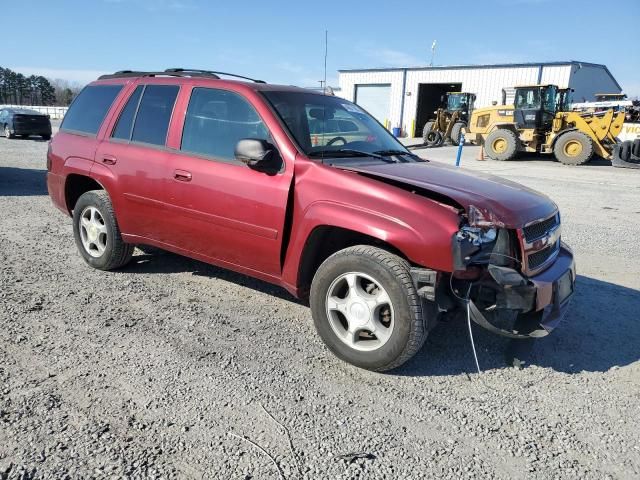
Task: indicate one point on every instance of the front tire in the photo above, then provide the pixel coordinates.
(7, 132)
(573, 148)
(501, 144)
(97, 234)
(456, 132)
(366, 309)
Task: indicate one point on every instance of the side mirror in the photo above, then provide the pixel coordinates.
(255, 153)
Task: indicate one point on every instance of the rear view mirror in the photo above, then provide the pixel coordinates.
(255, 152)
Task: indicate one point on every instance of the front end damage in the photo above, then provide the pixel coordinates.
(517, 282)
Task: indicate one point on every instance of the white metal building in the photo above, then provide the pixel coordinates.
(407, 97)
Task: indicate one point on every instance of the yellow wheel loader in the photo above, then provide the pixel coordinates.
(449, 122)
(538, 122)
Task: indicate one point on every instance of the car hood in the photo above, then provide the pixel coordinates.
(512, 204)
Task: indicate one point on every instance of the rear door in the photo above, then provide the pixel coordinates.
(135, 153)
(225, 210)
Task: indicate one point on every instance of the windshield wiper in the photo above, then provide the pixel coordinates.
(348, 151)
(396, 152)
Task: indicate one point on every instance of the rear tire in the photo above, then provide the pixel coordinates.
(456, 132)
(501, 144)
(573, 148)
(376, 288)
(97, 234)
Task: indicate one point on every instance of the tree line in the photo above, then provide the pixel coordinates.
(18, 89)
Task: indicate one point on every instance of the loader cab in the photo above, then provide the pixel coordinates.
(461, 102)
(535, 106)
(564, 99)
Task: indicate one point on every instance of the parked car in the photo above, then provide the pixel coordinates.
(380, 243)
(23, 122)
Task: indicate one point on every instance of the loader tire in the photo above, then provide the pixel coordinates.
(426, 129)
(625, 151)
(456, 132)
(573, 148)
(431, 137)
(501, 144)
(635, 150)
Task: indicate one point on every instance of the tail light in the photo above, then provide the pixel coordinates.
(49, 157)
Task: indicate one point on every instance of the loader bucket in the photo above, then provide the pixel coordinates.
(626, 154)
(603, 129)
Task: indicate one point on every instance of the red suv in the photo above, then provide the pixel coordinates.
(309, 192)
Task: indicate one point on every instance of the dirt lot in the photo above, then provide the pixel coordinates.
(147, 372)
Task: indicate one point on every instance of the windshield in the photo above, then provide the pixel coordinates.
(322, 124)
(456, 102)
(527, 98)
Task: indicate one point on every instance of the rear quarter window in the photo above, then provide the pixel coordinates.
(88, 110)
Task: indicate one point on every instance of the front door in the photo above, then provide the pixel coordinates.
(225, 210)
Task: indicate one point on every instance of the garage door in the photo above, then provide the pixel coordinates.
(375, 100)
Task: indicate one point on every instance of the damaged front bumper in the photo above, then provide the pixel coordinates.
(554, 289)
(549, 292)
(541, 300)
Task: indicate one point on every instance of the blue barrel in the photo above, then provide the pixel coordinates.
(396, 131)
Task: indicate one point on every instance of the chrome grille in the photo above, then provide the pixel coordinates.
(540, 229)
(541, 256)
(540, 243)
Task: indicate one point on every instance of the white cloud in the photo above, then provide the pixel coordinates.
(631, 88)
(290, 67)
(72, 75)
(397, 58)
(158, 5)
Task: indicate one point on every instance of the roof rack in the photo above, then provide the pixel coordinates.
(210, 72)
(175, 72)
(169, 72)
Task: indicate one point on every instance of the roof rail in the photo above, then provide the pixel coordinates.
(168, 72)
(188, 71)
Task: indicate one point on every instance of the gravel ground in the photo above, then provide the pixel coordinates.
(170, 367)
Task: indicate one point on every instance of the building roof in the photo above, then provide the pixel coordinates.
(472, 66)
(481, 66)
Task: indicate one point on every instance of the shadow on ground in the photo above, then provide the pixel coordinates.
(154, 260)
(600, 331)
(595, 161)
(22, 182)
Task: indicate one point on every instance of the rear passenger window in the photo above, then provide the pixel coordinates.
(216, 120)
(125, 122)
(154, 112)
(88, 110)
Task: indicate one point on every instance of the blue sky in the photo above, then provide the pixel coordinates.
(283, 41)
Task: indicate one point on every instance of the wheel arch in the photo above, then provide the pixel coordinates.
(324, 241)
(77, 184)
(503, 126)
(557, 136)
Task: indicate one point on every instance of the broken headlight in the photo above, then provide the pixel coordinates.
(482, 240)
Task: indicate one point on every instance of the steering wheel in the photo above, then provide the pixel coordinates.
(335, 139)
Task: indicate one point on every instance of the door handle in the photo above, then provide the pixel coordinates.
(182, 175)
(109, 159)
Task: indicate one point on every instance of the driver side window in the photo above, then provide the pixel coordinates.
(216, 120)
